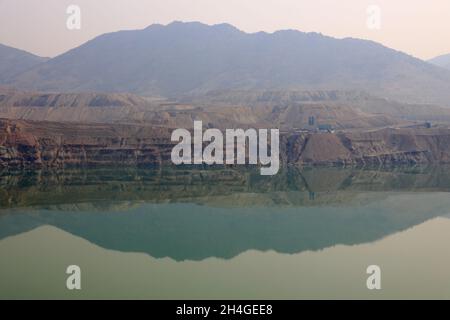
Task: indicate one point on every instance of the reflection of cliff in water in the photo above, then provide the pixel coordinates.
(199, 214)
(101, 188)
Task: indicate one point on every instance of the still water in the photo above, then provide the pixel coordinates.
(225, 233)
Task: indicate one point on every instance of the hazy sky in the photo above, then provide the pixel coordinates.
(418, 27)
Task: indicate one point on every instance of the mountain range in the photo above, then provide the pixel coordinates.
(182, 59)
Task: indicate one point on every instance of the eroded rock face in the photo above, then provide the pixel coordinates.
(380, 147)
(52, 144)
(24, 144)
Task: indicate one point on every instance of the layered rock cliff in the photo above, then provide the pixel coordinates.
(52, 144)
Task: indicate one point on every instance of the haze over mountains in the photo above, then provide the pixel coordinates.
(192, 58)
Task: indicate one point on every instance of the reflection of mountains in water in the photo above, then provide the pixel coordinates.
(198, 214)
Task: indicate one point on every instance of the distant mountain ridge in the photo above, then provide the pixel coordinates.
(441, 61)
(194, 58)
(14, 61)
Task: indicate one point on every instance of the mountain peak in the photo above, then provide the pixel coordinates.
(192, 57)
